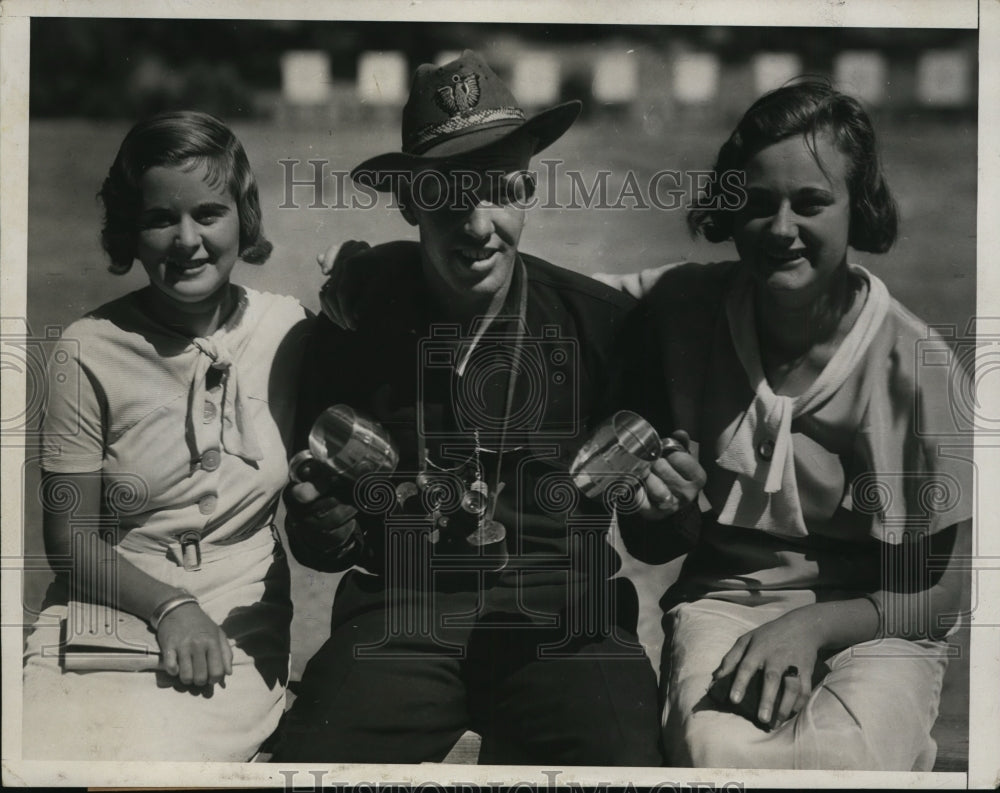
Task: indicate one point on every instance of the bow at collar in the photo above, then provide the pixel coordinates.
(237, 435)
(765, 493)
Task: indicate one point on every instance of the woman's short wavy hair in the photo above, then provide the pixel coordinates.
(807, 108)
(182, 138)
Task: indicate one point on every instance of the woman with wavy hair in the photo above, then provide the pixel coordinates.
(806, 628)
(164, 451)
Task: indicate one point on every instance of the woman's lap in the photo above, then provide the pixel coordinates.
(142, 715)
(872, 706)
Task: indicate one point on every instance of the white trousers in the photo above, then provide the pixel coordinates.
(872, 707)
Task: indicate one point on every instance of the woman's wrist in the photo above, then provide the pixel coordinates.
(175, 601)
(813, 624)
(879, 609)
(836, 624)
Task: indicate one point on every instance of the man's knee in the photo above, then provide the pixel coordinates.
(602, 746)
(638, 747)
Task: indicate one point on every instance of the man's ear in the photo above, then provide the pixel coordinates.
(408, 214)
(403, 200)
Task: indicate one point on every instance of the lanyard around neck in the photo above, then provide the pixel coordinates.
(520, 326)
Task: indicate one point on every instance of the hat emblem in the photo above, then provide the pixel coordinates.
(457, 109)
(462, 95)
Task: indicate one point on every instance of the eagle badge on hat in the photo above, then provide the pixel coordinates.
(462, 95)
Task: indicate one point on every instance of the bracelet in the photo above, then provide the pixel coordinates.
(879, 610)
(169, 605)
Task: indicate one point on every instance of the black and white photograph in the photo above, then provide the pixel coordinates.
(468, 394)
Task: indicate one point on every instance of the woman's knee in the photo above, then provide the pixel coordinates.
(709, 743)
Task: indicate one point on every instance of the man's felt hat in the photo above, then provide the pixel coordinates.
(457, 109)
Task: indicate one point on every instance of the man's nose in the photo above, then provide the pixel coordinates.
(479, 221)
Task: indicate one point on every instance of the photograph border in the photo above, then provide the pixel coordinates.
(984, 723)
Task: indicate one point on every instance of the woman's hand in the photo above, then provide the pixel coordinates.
(784, 651)
(340, 293)
(193, 647)
(673, 482)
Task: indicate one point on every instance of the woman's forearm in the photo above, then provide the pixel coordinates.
(920, 599)
(836, 624)
(126, 587)
(97, 573)
(923, 589)
(918, 615)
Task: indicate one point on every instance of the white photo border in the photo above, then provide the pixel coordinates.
(15, 15)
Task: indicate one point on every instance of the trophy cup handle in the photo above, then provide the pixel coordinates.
(669, 445)
(302, 467)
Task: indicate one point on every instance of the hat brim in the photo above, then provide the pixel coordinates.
(545, 127)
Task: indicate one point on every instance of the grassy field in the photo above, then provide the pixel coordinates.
(931, 168)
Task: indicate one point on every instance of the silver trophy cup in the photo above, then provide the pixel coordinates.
(621, 450)
(347, 444)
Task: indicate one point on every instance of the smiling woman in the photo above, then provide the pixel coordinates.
(189, 232)
(792, 237)
(793, 230)
(808, 627)
(173, 394)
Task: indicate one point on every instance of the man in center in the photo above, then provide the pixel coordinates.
(482, 594)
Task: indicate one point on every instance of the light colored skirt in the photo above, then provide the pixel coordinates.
(244, 587)
(873, 709)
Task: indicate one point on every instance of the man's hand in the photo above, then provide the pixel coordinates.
(193, 647)
(673, 482)
(343, 289)
(321, 529)
(322, 512)
(638, 285)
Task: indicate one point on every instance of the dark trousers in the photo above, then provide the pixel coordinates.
(395, 687)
